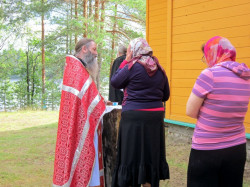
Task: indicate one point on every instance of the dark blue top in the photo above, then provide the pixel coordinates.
(141, 90)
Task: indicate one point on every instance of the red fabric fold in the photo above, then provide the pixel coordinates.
(81, 110)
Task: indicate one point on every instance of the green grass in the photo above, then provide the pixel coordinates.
(27, 145)
(177, 154)
(27, 156)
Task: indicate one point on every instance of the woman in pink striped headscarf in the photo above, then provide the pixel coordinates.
(219, 101)
(219, 49)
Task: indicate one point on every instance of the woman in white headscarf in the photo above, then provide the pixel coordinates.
(141, 155)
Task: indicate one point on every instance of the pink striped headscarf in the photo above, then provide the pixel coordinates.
(219, 49)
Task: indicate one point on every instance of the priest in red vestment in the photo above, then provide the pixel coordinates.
(78, 156)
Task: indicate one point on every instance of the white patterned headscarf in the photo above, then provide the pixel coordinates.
(142, 53)
(140, 46)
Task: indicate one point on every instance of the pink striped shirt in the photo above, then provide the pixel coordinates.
(226, 92)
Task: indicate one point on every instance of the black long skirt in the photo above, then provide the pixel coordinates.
(141, 156)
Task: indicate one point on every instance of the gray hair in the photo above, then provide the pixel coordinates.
(82, 42)
(122, 49)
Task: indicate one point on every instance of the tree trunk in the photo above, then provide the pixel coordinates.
(90, 8)
(111, 122)
(100, 45)
(33, 80)
(28, 78)
(43, 60)
(67, 33)
(33, 85)
(97, 2)
(76, 17)
(113, 38)
(71, 17)
(52, 99)
(4, 96)
(102, 13)
(85, 15)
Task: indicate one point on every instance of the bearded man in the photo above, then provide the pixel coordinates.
(78, 157)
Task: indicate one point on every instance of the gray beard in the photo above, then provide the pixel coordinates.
(91, 65)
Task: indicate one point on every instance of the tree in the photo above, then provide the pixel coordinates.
(76, 17)
(90, 8)
(85, 15)
(114, 30)
(61, 23)
(43, 57)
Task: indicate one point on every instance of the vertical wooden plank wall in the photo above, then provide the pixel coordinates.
(156, 33)
(176, 29)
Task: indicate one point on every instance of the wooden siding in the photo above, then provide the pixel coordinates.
(176, 29)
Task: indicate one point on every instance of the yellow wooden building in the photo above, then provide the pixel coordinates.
(176, 29)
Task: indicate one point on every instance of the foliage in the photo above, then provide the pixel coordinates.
(113, 23)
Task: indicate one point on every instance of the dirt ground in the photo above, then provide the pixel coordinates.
(177, 152)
